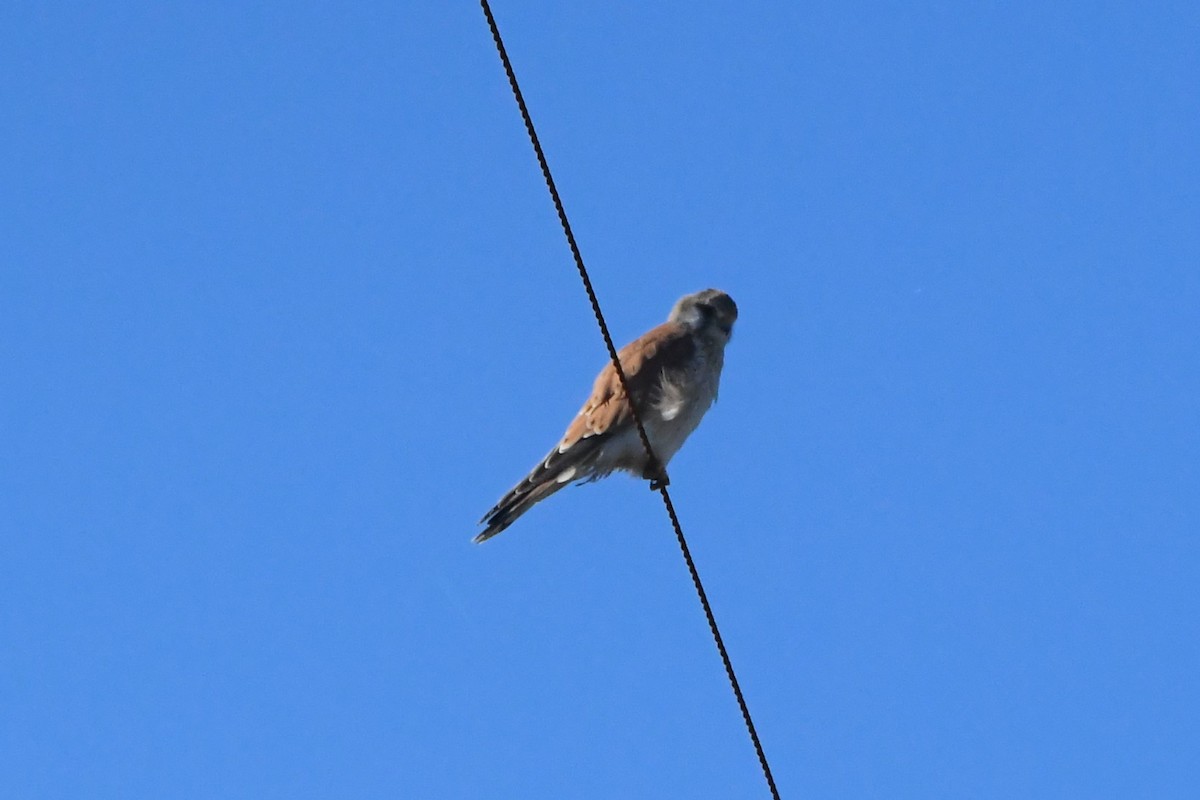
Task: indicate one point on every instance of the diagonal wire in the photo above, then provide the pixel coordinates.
(659, 484)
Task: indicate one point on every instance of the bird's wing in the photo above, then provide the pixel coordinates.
(643, 361)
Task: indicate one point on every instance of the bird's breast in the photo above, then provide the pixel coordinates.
(683, 398)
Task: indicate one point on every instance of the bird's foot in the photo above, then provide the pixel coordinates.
(656, 473)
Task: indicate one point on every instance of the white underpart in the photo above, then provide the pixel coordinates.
(672, 400)
(681, 406)
(670, 410)
(671, 428)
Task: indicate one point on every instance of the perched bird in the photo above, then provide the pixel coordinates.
(673, 372)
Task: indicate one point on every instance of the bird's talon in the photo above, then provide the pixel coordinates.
(657, 475)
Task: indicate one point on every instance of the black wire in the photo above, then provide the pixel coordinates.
(660, 483)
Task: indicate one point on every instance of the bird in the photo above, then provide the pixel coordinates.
(673, 373)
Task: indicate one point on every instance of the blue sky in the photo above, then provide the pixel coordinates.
(284, 308)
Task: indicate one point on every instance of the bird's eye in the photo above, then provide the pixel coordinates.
(706, 309)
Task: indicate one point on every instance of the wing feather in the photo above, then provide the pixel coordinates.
(643, 360)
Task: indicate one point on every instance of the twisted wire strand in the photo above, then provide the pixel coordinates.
(659, 484)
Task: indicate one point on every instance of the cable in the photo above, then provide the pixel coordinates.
(660, 483)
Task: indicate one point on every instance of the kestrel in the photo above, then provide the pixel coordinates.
(673, 372)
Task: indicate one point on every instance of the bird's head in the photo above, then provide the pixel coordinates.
(708, 313)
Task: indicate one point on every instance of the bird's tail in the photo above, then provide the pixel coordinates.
(519, 500)
(555, 471)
